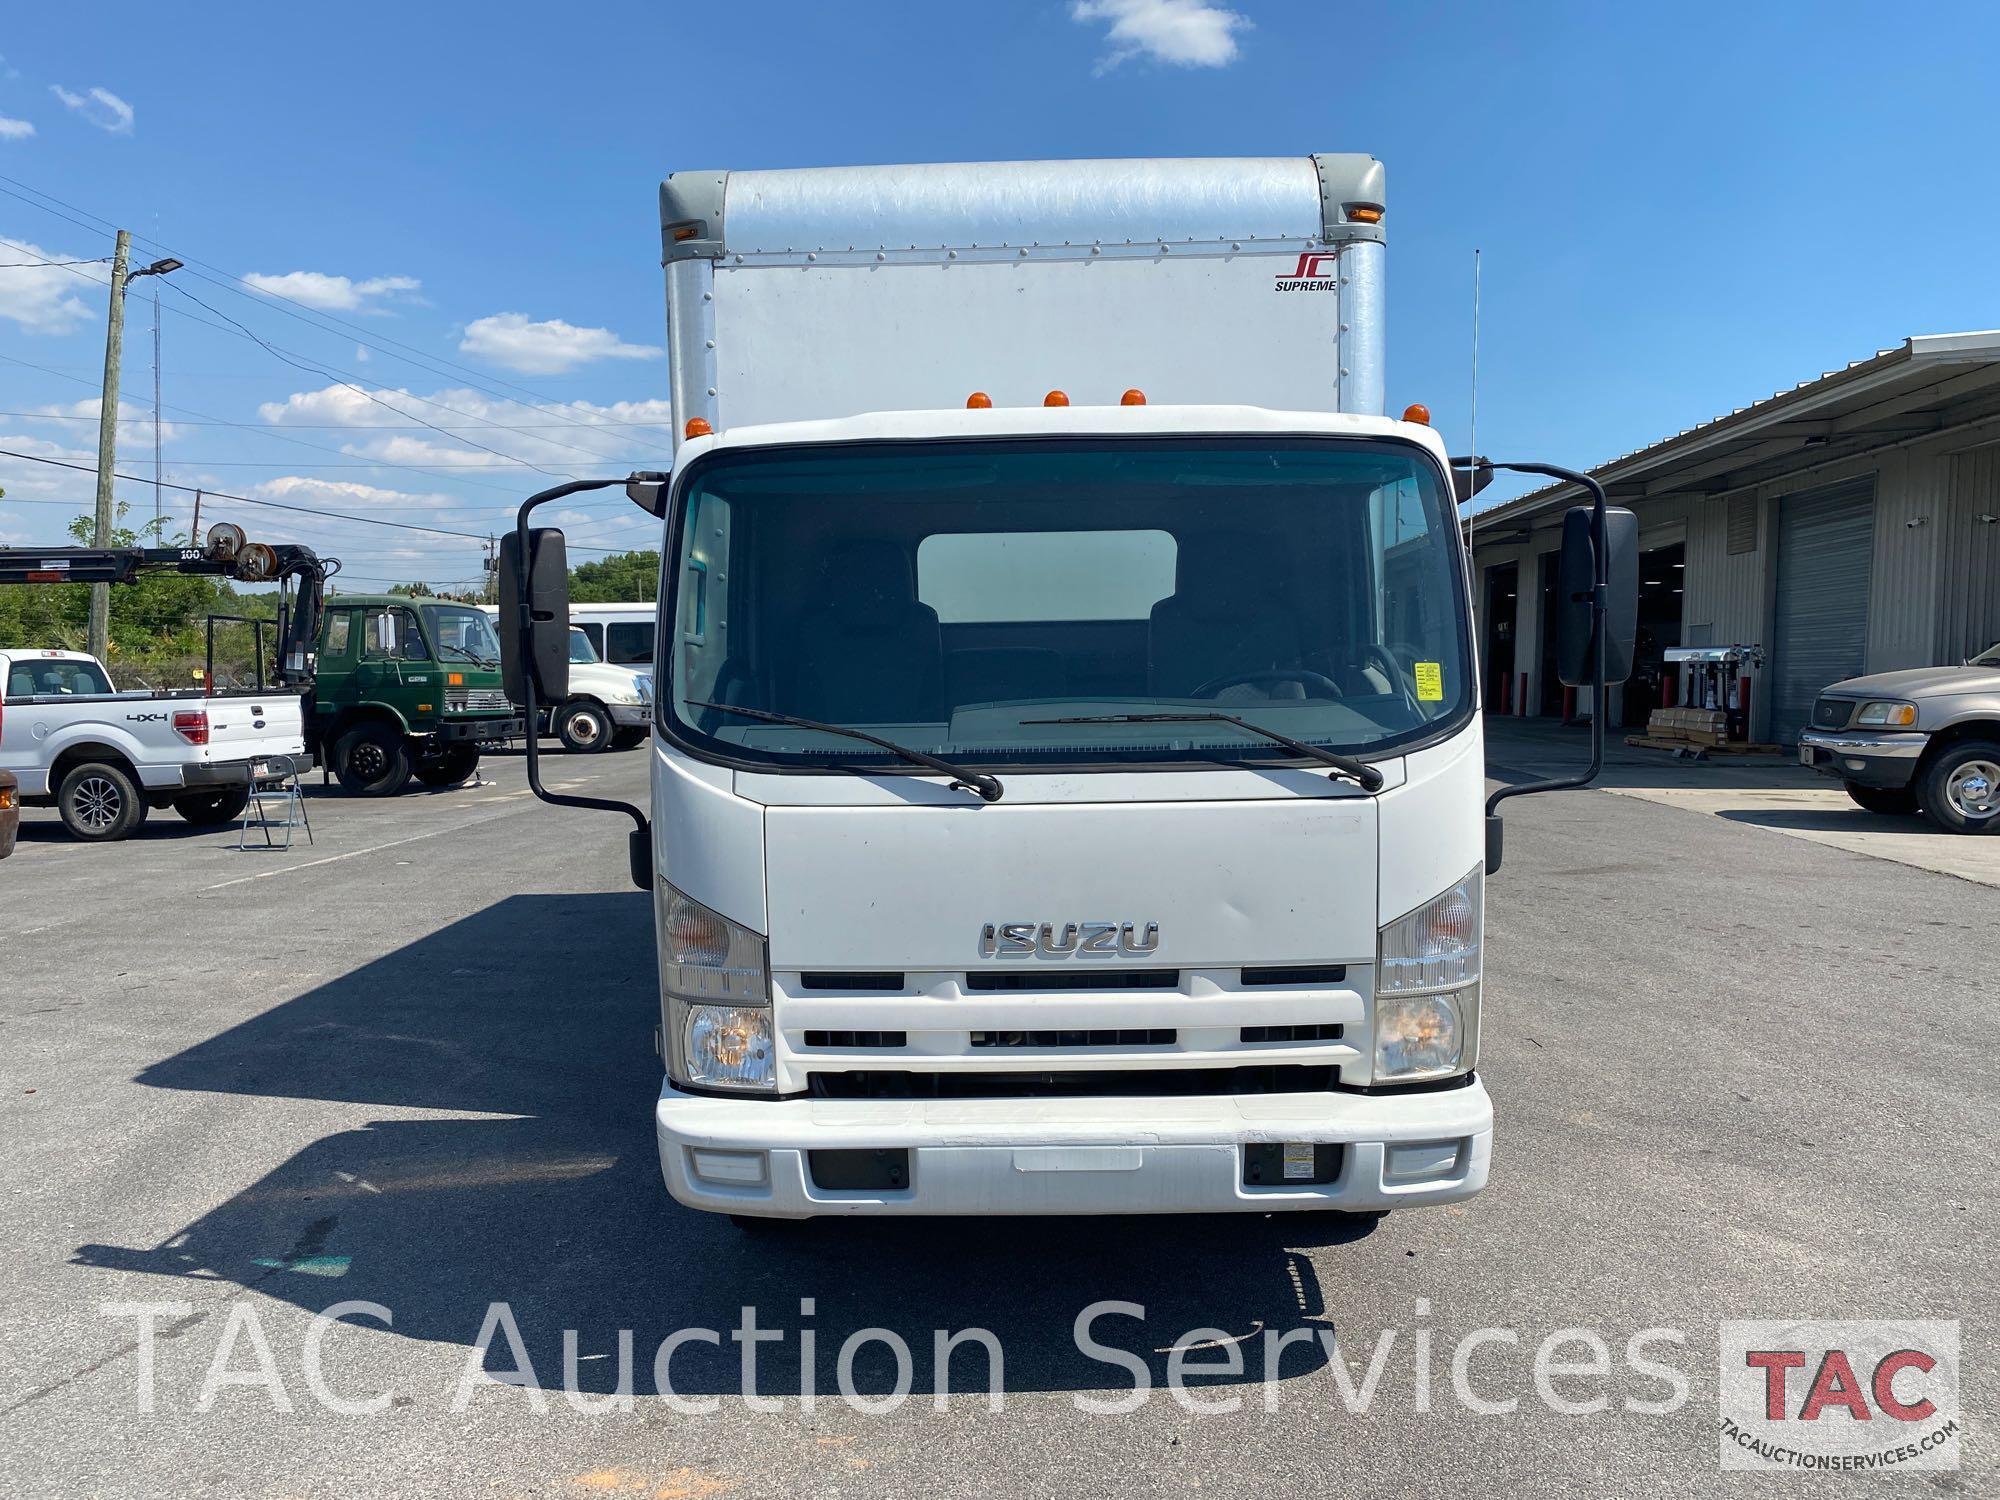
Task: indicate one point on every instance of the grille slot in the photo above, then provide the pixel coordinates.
(881, 982)
(476, 701)
(1325, 1031)
(1130, 1037)
(1131, 1083)
(1295, 974)
(1075, 979)
(857, 1039)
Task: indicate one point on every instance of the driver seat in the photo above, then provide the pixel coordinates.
(1224, 617)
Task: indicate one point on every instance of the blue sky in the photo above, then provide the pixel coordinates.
(1680, 208)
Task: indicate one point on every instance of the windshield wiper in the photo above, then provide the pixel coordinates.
(986, 788)
(468, 655)
(1359, 772)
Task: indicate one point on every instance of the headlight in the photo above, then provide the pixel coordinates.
(1427, 986)
(1889, 714)
(716, 979)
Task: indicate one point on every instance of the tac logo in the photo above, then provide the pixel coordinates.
(1315, 272)
(1839, 1396)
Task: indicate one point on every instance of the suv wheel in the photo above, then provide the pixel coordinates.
(99, 803)
(1962, 788)
(372, 761)
(583, 726)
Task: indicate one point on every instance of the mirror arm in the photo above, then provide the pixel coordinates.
(1600, 601)
(639, 851)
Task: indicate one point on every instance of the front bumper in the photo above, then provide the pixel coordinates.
(481, 731)
(1862, 756)
(1079, 1156)
(631, 715)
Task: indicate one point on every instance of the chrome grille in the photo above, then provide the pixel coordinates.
(476, 701)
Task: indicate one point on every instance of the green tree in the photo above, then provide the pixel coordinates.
(623, 578)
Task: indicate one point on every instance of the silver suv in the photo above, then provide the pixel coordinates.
(1928, 739)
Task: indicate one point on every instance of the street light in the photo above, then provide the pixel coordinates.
(107, 423)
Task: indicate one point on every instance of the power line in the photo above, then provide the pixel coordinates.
(319, 318)
(20, 265)
(305, 510)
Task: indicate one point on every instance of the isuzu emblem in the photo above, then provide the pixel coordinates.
(1059, 940)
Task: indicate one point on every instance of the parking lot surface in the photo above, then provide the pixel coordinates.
(1736, 1076)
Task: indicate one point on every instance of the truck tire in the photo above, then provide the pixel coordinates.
(1892, 801)
(372, 761)
(583, 726)
(211, 809)
(450, 767)
(630, 739)
(1961, 787)
(98, 803)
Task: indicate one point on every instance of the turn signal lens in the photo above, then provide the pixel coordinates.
(978, 401)
(1364, 213)
(1133, 397)
(1055, 398)
(697, 427)
(1416, 411)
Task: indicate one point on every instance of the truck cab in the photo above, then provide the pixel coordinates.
(406, 687)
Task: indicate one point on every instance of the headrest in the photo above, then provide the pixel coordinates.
(870, 582)
(1218, 574)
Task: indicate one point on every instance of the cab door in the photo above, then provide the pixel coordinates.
(394, 666)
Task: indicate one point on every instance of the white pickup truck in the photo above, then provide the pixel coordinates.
(104, 758)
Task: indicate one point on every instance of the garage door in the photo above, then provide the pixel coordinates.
(1826, 545)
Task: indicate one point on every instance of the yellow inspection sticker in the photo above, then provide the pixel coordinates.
(1430, 682)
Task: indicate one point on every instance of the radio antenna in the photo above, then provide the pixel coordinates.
(1472, 424)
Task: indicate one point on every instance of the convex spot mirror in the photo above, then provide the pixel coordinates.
(1576, 578)
(543, 579)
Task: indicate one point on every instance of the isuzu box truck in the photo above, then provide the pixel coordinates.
(1066, 766)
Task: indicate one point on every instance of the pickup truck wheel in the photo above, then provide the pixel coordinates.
(1962, 788)
(372, 761)
(448, 768)
(209, 809)
(1889, 800)
(583, 726)
(98, 803)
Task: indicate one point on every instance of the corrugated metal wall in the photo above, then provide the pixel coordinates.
(1969, 580)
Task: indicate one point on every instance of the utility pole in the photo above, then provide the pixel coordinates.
(107, 439)
(491, 592)
(107, 422)
(158, 517)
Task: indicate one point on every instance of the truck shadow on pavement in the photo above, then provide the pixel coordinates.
(538, 1012)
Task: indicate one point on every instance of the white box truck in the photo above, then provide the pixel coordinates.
(1067, 768)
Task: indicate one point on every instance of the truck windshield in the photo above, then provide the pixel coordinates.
(465, 634)
(580, 649)
(957, 597)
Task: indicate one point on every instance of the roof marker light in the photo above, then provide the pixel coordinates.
(1055, 398)
(1133, 397)
(698, 427)
(1364, 213)
(978, 401)
(1416, 411)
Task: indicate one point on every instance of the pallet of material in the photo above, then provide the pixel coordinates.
(1684, 746)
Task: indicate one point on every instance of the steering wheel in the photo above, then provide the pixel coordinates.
(1399, 674)
(1301, 675)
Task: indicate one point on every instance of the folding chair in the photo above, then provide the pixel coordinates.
(279, 786)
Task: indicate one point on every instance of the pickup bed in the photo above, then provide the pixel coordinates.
(104, 759)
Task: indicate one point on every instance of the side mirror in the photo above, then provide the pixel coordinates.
(648, 491)
(1576, 582)
(542, 578)
(1467, 482)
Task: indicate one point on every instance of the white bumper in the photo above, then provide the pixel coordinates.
(1078, 1156)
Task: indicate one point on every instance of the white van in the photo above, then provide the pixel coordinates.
(609, 707)
(621, 633)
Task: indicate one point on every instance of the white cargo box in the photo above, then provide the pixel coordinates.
(795, 295)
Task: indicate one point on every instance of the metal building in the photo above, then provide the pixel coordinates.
(1848, 525)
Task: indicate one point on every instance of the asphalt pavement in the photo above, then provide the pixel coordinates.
(410, 1065)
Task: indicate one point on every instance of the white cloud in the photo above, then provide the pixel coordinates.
(333, 293)
(129, 415)
(344, 494)
(99, 106)
(15, 130)
(1186, 33)
(560, 435)
(552, 347)
(42, 299)
(24, 479)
